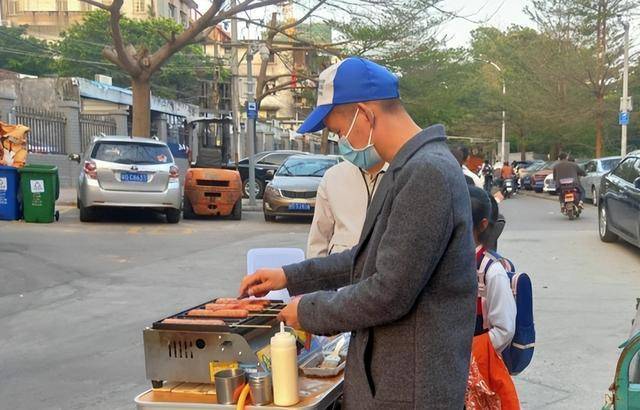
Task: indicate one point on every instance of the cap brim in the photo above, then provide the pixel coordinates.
(315, 120)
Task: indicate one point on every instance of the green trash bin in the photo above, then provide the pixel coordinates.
(40, 189)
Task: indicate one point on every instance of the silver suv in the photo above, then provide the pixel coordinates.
(128, 172)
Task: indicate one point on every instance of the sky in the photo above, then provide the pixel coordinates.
(498, 13)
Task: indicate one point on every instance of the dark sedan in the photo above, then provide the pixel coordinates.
(619, 204)
(267, 163)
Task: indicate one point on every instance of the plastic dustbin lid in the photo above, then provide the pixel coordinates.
(41, 169)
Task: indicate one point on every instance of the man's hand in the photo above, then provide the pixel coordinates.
(289, 315)
(263, 281)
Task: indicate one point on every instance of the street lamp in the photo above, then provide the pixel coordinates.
(503, 154)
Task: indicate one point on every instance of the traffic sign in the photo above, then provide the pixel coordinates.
(623, 119)
(252, 110)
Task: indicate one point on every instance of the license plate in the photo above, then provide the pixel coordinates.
(299, 207)
(133, 177)
(568, 198)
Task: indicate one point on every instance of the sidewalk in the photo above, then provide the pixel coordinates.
(68, 198)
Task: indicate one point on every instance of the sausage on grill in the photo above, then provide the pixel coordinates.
(249, 307)
(226, 313)
(177, 321)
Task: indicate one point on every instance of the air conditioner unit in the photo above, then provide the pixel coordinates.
(104, 79)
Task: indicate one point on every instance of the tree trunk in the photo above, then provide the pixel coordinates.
(599, 126)
(324, 142)
(523, 147)
(141, 89)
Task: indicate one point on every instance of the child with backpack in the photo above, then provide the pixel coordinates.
(495, 320)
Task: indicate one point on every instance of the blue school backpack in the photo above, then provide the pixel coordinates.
(519, 353)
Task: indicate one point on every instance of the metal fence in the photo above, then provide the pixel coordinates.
(47, 129)
(92, 125)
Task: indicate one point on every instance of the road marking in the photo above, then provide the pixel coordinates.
(134, 230)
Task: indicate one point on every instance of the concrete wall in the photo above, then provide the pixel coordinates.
(68, 171)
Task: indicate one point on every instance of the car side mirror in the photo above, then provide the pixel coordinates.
(75, 157)
(270, 172)
(636, 183)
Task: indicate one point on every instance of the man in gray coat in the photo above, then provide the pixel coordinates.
(408, 289)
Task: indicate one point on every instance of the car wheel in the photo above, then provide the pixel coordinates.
(87, 214)
(173, 215)
(603, 224)
(594, 196)
(259, 188)
(236, 214)
(187, 211)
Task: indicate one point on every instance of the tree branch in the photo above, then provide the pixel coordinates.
(283, 87)
(303, 18)
(96, 4)
(294, 38)
(126, 61)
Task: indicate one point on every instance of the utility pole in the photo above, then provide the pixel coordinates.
(252, 113)
(235, 89)
(503, 153)
(625, 103)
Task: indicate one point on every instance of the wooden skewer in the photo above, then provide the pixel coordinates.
(252, 326)
(263, 315)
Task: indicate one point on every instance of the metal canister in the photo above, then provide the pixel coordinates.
(229, 384)
(261, 388)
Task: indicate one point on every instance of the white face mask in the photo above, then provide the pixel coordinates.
(364, 158)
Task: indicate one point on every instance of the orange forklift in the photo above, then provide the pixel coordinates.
(210, 190)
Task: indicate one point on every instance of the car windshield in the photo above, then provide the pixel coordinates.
(609, 164)
(305, 167)
(132, 153)
(535, 166)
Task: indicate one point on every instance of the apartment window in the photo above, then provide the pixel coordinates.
(172, 11)
(139, 6)
(183, 19)
(15, 7)
(61, 5)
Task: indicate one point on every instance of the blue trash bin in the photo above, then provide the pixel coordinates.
(9, 187)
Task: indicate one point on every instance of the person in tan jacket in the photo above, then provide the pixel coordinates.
(344, 195)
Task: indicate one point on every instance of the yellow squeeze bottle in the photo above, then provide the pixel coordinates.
(284, 368)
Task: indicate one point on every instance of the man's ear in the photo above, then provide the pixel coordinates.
(368, 112)
(484, 224)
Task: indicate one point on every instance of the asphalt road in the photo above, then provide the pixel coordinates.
(75, 298)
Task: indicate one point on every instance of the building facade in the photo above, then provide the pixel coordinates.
(48, 18)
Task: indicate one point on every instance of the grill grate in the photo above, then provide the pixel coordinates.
(229, 327)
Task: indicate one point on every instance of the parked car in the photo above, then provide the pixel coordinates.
(619, 202)
(293, 190)
(266, 165)
(537, 179)
(550, 185)
(525, 174)
(120, 171)
(595, 169)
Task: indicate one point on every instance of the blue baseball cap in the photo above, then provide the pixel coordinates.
(349, 81)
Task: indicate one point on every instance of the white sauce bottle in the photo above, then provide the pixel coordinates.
(284, 368)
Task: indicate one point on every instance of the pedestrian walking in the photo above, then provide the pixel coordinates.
(408, 288)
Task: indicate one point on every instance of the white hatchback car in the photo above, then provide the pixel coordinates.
(128, 172)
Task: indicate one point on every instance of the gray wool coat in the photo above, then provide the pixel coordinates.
(410, 286)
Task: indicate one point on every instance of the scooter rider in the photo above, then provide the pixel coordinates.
(565, 169)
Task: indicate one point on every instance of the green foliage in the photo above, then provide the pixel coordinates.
(22, 53)
(178, 78)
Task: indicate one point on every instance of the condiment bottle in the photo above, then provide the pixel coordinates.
(284, 368)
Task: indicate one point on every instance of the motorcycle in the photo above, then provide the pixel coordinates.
(508, 187)
(570, 198)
